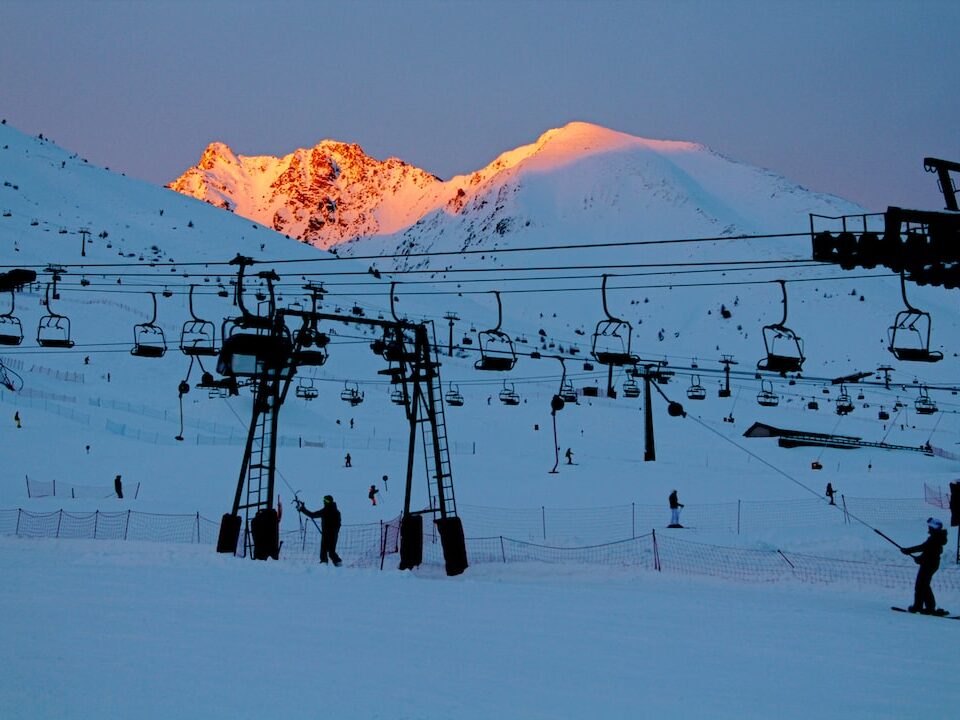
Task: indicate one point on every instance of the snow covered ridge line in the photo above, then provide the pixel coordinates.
(369, 545)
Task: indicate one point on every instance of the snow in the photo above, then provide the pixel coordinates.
(117, 629)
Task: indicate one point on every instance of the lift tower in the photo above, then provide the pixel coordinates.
(262, 349)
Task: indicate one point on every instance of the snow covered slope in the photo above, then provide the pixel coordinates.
(574, 182)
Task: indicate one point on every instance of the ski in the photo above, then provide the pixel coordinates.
(941, 614)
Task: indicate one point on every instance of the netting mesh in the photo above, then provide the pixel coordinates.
(373, 544)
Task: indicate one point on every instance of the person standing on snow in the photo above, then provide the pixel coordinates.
(830, 493)
(329, 528)
(373, 494)
(347, 460)
(675, 506)
(16, 418)
(929, 562)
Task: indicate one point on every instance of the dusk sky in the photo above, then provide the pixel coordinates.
(844, 97)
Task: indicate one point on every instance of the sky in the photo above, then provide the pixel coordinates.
(843, 97)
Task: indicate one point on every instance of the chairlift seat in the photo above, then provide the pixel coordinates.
(454, 398)
(631, 389)
(697, 392)
(11, 331)
(813, 405)
(497, 353)
(197, 338)
(509, 398)
(148, 341)
(781, 363)
(53, 331)
(396, 397)
(916, 354)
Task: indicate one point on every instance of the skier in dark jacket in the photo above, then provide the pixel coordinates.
(329, 528)
(675, 507)
(929, 562)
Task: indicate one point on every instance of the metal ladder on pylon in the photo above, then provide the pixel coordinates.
(260, 461)
(433, 426)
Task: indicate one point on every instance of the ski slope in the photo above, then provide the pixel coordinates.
(113, 629)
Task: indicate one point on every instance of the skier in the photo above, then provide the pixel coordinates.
(118, 487)
(675, 506)
(16, 418)
(373, 494)
(830, 493)
(569, 455)
(346, 461)
(929, 562)
(329, 528)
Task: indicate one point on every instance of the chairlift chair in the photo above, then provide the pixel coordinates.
(148, 338)
(630, 388)
(307, 390)
(844, 404)
(53, 330)
(696, 391)
(509, 396)
(496, 348)
(11, 331)
(568, 393)
(909, 336)
(784, 347)
(396, 397)
(924, 404)
(351, 393)
(198, 336)
(453, 396)
(767, 397)
(813, 405)
(883, 415)
(612, 337)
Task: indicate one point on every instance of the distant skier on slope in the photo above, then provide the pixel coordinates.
(675, 507)
(929, 562)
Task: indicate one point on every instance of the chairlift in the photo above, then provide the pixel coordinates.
(198, 337)
(813, 405)
(11, 331)
(612, 337)
(696, 391)
(496, 348)
(631, 389)
(467, 340)
(509, 396)
(351, 393)
(924, 404)
(148, 339)
(307, 390)
(453, 396)
(883, 415)
(568, 393)
(53, 330)
(767, 397)
(844, 404)
(784, 347)
(396, 397)
(909, 336)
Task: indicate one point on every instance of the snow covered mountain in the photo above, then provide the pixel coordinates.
(573, 182)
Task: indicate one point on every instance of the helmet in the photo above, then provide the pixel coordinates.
(327, 499)
(934, 524)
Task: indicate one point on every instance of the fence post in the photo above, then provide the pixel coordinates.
(656, 551)
(780, 552)
(738, 517)
(127, 526)
(198, 527)
(503, 553)
(17, 531)
(96, 517)
(59, 520)
(633, 521)
(846, 516)
(383, 545)
(543, 521)
(54, 487)
(28, 484)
